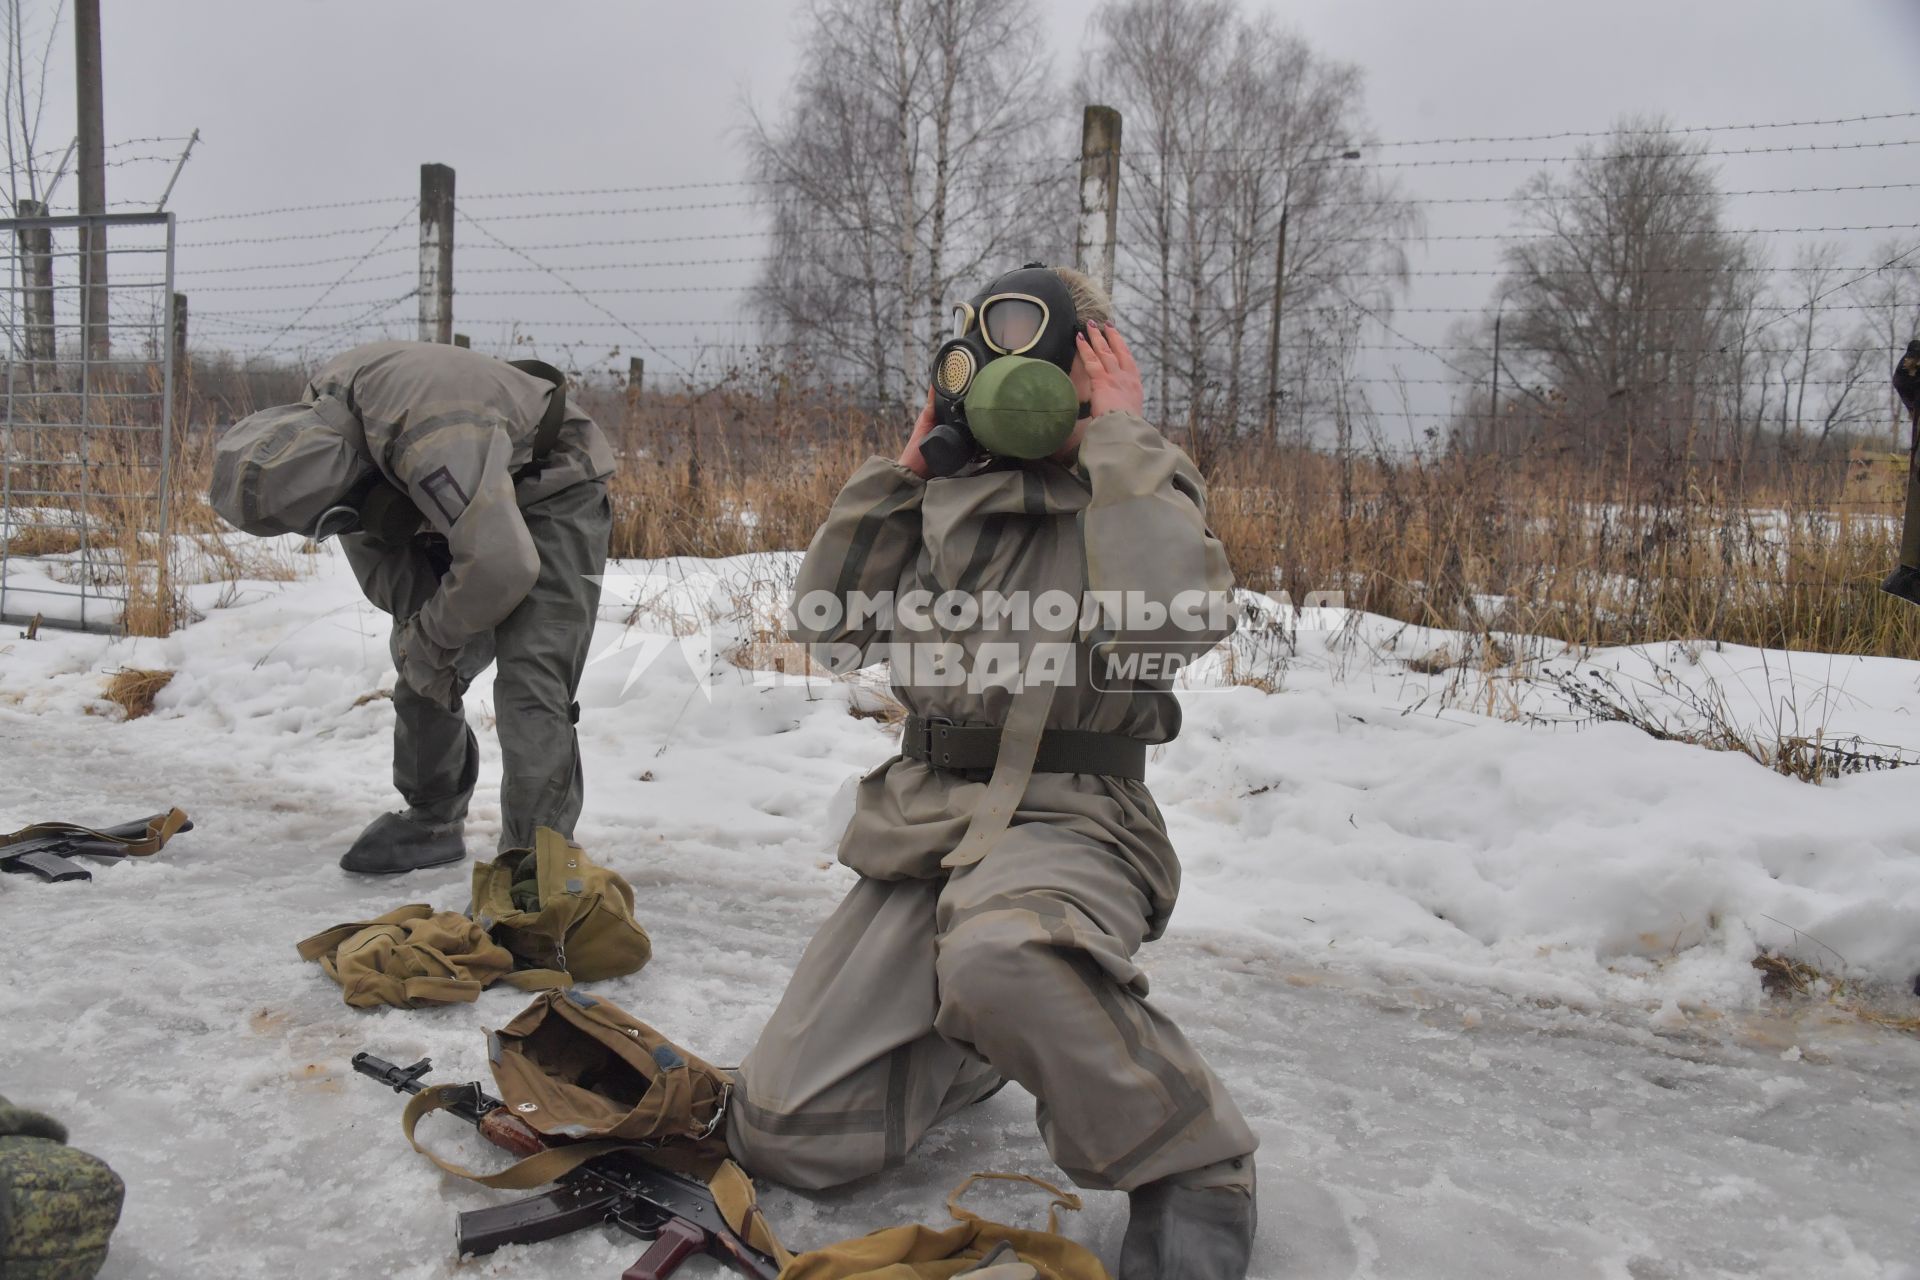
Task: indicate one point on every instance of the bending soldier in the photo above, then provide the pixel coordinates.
(471, 500)
(1007, 876)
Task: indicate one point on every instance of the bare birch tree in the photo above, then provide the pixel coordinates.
(1230, 120)
(26, 98)
(921, 150)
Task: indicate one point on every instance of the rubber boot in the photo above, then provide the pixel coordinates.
(394, 843)
(1178, 1231)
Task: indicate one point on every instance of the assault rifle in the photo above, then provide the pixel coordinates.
(48, 849)
(676, 1213)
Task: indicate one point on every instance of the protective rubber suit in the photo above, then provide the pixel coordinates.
(482, 544)
(959, 961)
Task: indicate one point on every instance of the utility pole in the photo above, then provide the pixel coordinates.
(97, 337)
(182, 371)
(1273, 328)
(177, 335)
(1494, 425)
(1097, 232)
(636, 375)
(36, 260)
(436, 253)
(1280, 286)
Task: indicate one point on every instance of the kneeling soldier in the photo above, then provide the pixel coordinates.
(1009, 874)
(471, 500)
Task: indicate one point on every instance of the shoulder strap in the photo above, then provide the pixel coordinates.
(538, 979)
(1061, 1199)
(547, 436)
(535, 1171)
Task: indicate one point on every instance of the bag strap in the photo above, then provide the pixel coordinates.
(538, 979)
(535, 1171)
(1019, 747)
(733, 1192)
(546, 436)
(134, 839)
(1061, 1199)
(439, 990)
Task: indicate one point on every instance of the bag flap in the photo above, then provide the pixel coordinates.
(577, 1066)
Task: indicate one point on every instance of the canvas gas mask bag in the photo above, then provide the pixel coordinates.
(555, 908)
(582, 1070)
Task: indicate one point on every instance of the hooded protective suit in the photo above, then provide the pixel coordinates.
(492, 562)
(958, 960)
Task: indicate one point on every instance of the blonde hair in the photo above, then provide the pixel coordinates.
(1090, 301)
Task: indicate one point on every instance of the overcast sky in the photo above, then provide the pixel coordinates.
(304, 102)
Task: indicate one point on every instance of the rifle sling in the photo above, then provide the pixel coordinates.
(732, 1191)
(133, 839)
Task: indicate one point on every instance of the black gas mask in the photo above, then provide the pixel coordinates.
(1000, 384)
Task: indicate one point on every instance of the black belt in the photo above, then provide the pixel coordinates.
(970, 747)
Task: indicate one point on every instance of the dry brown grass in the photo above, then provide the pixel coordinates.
(41, 541)
(1560, 547)
(1784, 552)
(133, 689)
(1785, 978)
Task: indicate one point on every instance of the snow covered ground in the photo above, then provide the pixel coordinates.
(1483, 987)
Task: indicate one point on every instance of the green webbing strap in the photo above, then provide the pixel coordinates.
(967, 747)
(1012, 768)
(546, 437)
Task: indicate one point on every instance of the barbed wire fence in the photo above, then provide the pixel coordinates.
(607, 276)
(622, 283)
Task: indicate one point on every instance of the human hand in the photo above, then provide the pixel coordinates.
(910, 456)
(1112, 374)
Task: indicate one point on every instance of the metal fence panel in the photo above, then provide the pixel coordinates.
(87, 422)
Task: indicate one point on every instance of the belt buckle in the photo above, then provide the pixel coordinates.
(928, 725)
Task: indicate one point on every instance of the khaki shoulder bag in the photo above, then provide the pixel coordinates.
(555, 908)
